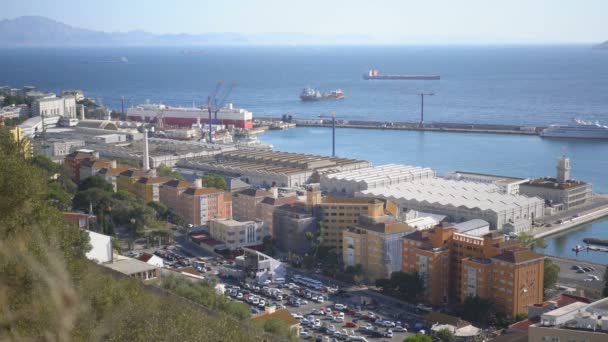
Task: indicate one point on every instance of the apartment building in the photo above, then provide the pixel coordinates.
(111, 175)
(148, 188)
(90, 167)
(338, 214)
(376, 244)
(170, 192)
(265, 209)
(126, 180)
(291, 223)
(200, 205)
(237, 234)
(244, 203)
(74, 159)
(455, 265)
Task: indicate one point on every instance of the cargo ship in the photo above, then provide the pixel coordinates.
(186, 116)
(310, 94)
(373, 74)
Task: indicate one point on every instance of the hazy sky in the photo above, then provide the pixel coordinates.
(434, 21)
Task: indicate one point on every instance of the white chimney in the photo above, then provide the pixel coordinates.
(81, 112)
(275, 192)
(198, 183)
(146, 161)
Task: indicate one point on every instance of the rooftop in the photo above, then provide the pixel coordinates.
(153, 180)
(518, 255)
(201, 191)
(176, 183)
(552, 183)
(453, 193)
(383, 172)
(129, 266)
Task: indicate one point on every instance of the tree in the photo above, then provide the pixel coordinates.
(478, 311)
(445, 335)
(551, 272)
(164, 171)
(605, 290)
(97, 182)
(407, 286)
(531, 242)
(212, 180)
(418, 338)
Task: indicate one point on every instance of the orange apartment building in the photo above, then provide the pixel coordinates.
(199, 205)
(170, 192)
(148, 188)
(339, 214)
(456, 265)
(245, 203)
(73, 161)
(111, 174)
(265, 209)
(90, 167)
(126, 180)
(376, 244)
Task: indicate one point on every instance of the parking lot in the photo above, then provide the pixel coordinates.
(571, 276)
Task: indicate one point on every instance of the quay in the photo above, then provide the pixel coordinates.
(414, 126)
(600, 210)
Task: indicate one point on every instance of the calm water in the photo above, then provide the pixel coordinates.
(488, 153)
(534, 85)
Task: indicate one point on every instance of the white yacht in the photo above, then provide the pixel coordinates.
(577, 129)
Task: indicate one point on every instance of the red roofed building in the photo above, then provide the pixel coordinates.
(199, 205)
(74, 159)
(536, 310)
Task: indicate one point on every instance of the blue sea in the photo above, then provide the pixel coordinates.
(520, 85)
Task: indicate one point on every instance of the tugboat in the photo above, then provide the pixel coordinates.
(310, 94)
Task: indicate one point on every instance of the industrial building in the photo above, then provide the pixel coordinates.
(349, 182)
(506, 185)
(561, 192)
(271, 168)
(574, 322)
(461, 201)
(55, 106)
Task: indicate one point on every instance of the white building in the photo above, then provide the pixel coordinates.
(152, 259)
(506, 185)
(475, 227)
(55, 106)
(460, 201)
(352, 181)
(420, 221)
(101, 248)
(237, 234)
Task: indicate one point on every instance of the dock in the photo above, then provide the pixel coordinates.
(416, 126)
(584, 217)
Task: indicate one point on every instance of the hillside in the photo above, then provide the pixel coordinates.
(36, 31)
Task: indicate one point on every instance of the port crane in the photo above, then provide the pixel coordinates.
(333, 131)
(422, 95)
(214, 106)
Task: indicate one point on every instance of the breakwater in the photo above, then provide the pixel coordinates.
(413, 126)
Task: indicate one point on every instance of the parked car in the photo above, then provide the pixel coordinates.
(351, 324)
(399, 329)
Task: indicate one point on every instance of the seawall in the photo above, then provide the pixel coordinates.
(413, 126)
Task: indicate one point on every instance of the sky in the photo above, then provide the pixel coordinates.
(432, 21)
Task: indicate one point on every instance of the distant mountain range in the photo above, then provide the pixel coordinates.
(36, 31)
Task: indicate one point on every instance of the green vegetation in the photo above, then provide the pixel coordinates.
(551, 275)
(12, 122)
(407, 286)
(445, 335)
(10, 100)
(50, 291)
(279, 328)
(418, 338)
(212, 180)
(479, 311)
(164, 171)
(531, 242)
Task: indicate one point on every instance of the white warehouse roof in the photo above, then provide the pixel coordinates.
(453, 193)
(375, 173)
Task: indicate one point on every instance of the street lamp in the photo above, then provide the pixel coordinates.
(422, 95)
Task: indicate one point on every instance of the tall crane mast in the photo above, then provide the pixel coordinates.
(214, 106)
(333, 132)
